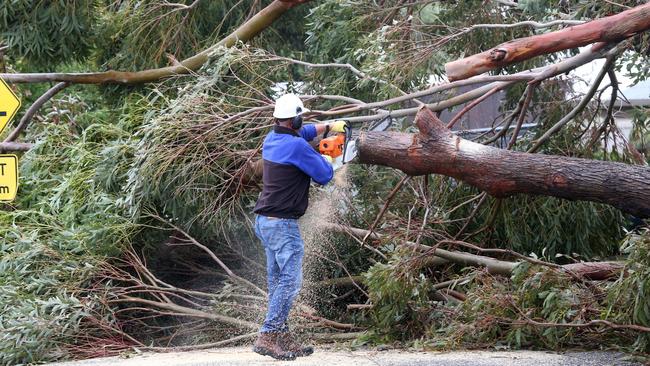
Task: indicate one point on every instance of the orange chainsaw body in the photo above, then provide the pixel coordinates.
(333, 145)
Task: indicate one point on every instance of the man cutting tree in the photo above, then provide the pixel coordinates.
(290, 164)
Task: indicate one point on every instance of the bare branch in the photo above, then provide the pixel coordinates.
(473, 104)
(389, 199)
(530, 89)
(223, 266)
(529, 23)
(638, 328)
(180, 6)
(329, 323)
(204, 345)
(354, 70)
(507, 3)
(575, 111)
(15, 146)
(27, 117)
(185, 311)
(496, 81)
(494, 266)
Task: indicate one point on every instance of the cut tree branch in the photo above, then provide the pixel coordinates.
(502, 173)
(609, 29)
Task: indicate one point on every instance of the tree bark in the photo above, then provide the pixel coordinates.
(15, 146)
(501, 173)
(596, 270)
(609, 29)
(245, 32)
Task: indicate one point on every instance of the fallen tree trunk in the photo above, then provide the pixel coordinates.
(609, 29)
(501, 173)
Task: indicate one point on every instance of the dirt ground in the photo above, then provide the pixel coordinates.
(337, 357)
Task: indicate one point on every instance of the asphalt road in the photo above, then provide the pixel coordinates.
(240, 356)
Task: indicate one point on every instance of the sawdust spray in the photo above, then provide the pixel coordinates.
(326, 205)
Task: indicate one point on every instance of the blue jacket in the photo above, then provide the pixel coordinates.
(290, 164)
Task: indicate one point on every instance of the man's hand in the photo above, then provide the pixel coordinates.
(328, 158)
(337, 126)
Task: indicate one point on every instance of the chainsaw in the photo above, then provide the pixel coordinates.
(341, 148)
(336, 146)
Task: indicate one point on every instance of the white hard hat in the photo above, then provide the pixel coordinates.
(288, 106)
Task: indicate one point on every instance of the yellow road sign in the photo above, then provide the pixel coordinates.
(8, 177)
(9, 104)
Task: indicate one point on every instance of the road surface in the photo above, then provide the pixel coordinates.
(242, 356)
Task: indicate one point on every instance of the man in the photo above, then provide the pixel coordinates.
(290, 164)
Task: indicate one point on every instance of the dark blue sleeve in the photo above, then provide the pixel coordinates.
(313, 164)
(308, 132)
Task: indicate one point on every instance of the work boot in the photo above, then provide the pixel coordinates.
(288, 342)
(268, 344)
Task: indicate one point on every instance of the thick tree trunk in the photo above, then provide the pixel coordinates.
(609, 29)
(501, 173)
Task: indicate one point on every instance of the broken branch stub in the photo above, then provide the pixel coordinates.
(501, 173)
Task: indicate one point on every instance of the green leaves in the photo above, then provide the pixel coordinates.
(41, 266)
(48, 33)
(194, 153)
(400, 296)
(550, 226)
(629, 297)
(67, 220)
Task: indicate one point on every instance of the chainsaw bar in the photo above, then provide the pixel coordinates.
(351, 148)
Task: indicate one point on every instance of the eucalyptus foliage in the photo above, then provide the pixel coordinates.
(628, 297)
(190, 162)
(67, 221)
(43, 269)
(401, 298)
(49, 32)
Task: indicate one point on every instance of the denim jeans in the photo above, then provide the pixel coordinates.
(284, 251)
